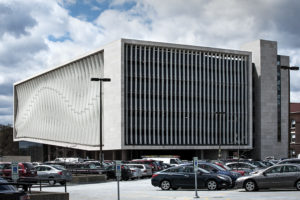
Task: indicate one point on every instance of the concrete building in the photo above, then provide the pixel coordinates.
(294, 129)
(271, 99)
(162, 99)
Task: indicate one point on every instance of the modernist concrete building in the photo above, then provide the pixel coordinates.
(162, 99)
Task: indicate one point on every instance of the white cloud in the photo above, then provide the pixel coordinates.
(25, 50)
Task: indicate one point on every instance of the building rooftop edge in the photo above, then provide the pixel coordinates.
(135, 41)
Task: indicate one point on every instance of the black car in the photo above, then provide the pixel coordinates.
(125, 172)
(8, 191)
(213, 168)
(184, 177)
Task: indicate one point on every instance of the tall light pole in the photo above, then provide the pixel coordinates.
(100, 114)
(219, 140)
(294, 68)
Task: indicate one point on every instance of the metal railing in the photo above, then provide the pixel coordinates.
(35, 182)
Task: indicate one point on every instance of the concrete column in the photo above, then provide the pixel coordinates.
(114, 155)
(124, 155)
(49, 152)
(56, 152)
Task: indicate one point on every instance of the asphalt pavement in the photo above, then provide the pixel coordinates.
(143, 190)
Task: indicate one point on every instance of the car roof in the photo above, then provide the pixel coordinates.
(287, 164)
(44, 165)
(247, 163)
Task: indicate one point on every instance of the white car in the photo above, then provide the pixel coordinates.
(146, 169)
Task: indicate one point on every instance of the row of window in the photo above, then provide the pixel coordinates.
(182, 137)
(149, 100)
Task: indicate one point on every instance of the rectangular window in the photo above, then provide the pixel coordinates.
(278, 99)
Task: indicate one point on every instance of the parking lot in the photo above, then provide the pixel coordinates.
(143, 190)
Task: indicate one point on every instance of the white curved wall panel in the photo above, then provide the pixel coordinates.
(61, 107)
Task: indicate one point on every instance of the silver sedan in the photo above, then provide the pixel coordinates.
(278, 176)
(53, 174)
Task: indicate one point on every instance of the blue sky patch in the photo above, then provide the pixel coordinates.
(89, 10)
(60, 39)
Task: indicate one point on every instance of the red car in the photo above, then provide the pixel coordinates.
(26, 170)
(227, 168)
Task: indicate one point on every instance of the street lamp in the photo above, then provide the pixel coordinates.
(219, 140)
(294, 68)
(100, 115)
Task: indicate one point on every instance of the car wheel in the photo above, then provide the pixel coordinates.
(165, 185)
(51, 181)
(250, 186)
(211, 185)
(298, 185)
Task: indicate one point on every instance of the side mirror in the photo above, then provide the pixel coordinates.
(199, 172)
(264, 173)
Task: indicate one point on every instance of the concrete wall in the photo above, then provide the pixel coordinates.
(284, 145)
(264, 57)
(15, 159)
(112, 100)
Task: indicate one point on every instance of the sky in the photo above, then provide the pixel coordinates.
(36, 35)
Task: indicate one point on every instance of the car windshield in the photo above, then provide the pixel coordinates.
(226, 167)
(219, 168)
(203, 171)
(258, 164)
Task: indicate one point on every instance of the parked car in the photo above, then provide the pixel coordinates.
(184, 176)
(247, 167)
(146, 169)
(278, 176)
(173, 161)
(166, 166)
(292, 160)
(10, 192)
(95, 163)
(27, 171)
(54, 173)
(136, 172)
(111, 172)
(213, 168)
(267, 163)
(84, 168)
(258, 164)
(151, 163)
(229, 169)
(70, 159)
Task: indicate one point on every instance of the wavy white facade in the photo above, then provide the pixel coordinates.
(61, 106)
